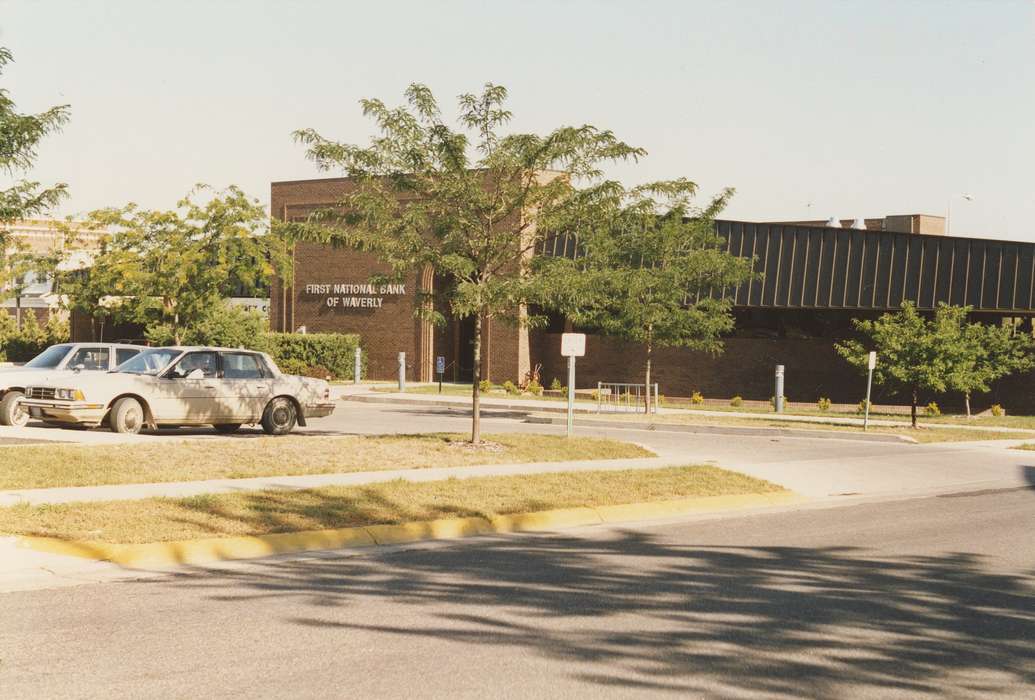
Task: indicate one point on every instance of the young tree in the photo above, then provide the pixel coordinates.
(913, 354)
(986, 353)
(170, 269)
(647, 272)
(20, 135)
(472, 204)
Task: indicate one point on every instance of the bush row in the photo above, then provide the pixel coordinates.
(21, 345)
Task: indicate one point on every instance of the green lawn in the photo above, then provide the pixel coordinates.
(265, 512)
(73, 465)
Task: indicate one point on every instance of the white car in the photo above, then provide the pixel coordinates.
(183, 386)
(85, 357)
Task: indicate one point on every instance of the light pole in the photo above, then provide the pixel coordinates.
(948, 210)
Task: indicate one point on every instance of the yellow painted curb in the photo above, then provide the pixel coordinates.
(207, 550)
(446, 528)
(627, 512)
(545, 520)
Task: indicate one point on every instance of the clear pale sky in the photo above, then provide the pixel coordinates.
(808, 108)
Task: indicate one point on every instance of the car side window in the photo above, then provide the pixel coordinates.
(89, 358)
(239, 365)
(207, 362)
(123, 354)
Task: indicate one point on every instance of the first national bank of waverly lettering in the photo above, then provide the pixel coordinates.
(347, 295)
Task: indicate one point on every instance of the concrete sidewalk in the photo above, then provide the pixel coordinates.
(365, 393)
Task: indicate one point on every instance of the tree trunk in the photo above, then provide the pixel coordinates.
(646, 396)
(912, 410)
(476, 418)
(966, 401)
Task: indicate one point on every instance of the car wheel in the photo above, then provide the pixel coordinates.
(279, 417)
(11, 410)
(127, 416)
(227, 428)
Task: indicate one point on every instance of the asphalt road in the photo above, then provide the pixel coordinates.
(922, 597)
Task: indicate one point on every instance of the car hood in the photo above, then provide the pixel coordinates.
(17, 376)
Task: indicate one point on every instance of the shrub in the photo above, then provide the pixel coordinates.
(861, 407)
(334, 352)
(932, 409)
(511, 388)
(484, 386)
(696, 398)
(231, 326)
(21, 345)
(997, 410)
(556, 385)
(823, 404)
(736, 402)
(534, 388)
(291, 365)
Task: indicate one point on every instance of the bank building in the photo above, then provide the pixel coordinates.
(815, 277)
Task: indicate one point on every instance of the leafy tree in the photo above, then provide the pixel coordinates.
(986, 353)
(645, 272)
(170, 269)
(471, 203)
(20, 135)
(914, 354)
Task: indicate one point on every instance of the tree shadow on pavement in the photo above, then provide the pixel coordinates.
(634, 611)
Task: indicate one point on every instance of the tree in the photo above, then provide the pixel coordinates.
(20, 135)
(170, 269)
(472, 204)
(913, 354)
(647, 272)
(986, 353)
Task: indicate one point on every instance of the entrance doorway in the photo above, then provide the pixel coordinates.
(465, 349)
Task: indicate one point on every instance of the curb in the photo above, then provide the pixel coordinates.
(203, 551)
(461, 405)
(733, 430)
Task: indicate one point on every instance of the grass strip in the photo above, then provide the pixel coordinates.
(235, 458)
(925, 435)
(273, 511)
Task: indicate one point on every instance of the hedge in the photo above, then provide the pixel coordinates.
(315, 354)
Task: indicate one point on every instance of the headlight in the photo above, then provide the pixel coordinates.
(68, 395)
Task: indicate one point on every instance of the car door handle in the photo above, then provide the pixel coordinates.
(208, 386)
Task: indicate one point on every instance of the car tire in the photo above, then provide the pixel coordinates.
(227, 428)
(280, 416)
(127, 416)
(11, 410)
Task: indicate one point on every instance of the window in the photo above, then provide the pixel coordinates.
(207, 362)
(49, 358)
(238, 365)
(89, 358)
(123, 354)
(150, 361)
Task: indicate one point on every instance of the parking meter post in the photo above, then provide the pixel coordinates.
(778, 401)
(571, 395)
(357, 366)
(402, 371)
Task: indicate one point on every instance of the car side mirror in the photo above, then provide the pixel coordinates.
(79, 368)
(196, 374)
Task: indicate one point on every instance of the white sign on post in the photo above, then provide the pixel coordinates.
(573, 345)
(872, 362)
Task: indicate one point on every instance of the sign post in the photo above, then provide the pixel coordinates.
(778, 400)
(357, 366)
(572, 345)
(440, 369)
(870, 365)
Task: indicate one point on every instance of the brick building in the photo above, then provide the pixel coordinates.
(815, 278)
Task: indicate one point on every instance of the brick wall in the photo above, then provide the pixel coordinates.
(811, 369)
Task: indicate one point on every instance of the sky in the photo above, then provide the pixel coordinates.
(810, 109)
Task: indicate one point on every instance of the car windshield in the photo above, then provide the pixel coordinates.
(149, 361)
(49, 358)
